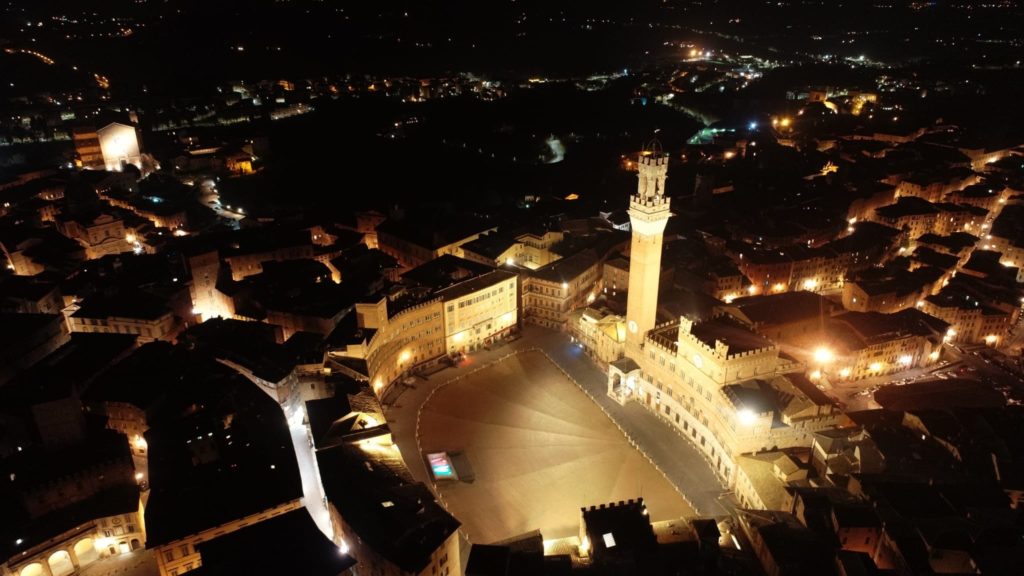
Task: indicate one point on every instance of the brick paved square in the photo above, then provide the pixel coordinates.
(540, 449)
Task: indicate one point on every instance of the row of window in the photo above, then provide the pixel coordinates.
(688, 401)
(477, 299)
(539, 302)
(700, 439)
(184, 549)
(419, 320)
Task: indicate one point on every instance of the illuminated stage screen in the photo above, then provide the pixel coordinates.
(441, 466)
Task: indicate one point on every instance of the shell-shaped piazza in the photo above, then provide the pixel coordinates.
(539, 450)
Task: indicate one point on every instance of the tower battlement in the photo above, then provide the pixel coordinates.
(645, 204)
(652, 171)
(653, 160)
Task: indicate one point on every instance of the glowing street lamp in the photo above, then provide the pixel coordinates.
(746, 416)
(823, 355)
(140, 443)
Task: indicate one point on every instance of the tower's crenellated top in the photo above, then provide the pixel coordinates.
(652, 171)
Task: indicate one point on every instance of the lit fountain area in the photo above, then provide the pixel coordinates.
(528, 449)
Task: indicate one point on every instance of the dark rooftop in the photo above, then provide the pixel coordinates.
(166, 367)
(773, 309)
(445, 271)
(18, 326)
(469, 286)
(66, 371)
(252, 345)
(488, 560)
(123, 304)
(379, 500)
(299, 547)
(24, 288)
(792, 546)
(218, 451)
(954, 243)
(906, 206)
(332, 419)
(930, 257)
(490, 245)
(566, 269)
(731, 332)
(425, 232)
(110, 502)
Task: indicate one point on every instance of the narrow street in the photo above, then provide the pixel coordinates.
(312, 493)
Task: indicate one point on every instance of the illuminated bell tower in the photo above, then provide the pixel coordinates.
(648, 214)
